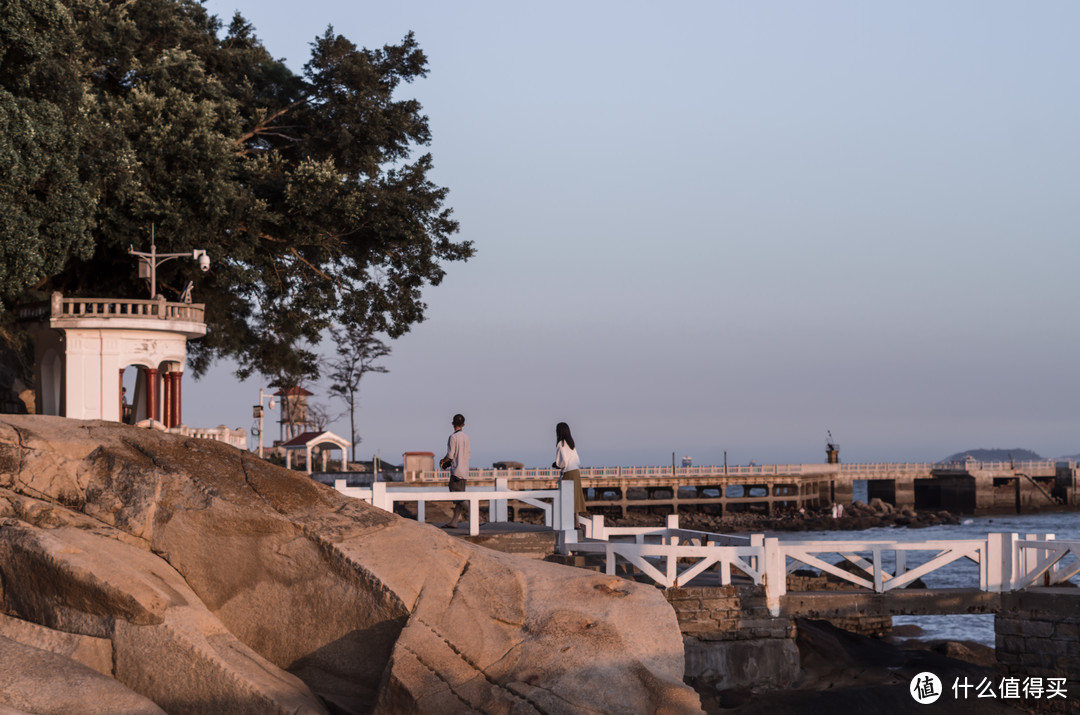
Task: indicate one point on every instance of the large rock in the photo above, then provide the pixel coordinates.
(180, 550)
(78, 581)
(94, 653)
(45, 683)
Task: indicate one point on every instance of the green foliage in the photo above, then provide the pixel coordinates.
(304, 189)
(46, 205)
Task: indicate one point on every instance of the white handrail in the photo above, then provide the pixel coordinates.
(1042, 561)
(557, 504)
(1005, 562)
(671, 556)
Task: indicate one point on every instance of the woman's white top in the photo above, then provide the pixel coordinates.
(566, 458)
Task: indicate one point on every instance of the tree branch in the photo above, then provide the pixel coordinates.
(260, 127)
(310, 265)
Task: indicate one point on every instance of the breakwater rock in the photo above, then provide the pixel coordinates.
(177, 574)
(856, 516)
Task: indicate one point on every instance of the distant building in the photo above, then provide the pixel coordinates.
(294, 412)
(688, 461)
(323, 442)
(414, 463)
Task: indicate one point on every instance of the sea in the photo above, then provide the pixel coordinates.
(961, 573)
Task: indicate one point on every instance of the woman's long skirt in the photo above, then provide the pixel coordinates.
(579, 496)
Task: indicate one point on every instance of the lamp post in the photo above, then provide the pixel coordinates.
(153, 259)
(259, 414)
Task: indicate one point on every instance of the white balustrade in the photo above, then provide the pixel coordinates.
(60, 307)
(1005, 563)
(556, 504)
(673, 557)
(1045, 561)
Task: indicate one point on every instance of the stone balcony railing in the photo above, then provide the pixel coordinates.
(60, 307)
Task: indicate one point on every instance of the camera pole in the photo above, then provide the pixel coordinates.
(153, 259)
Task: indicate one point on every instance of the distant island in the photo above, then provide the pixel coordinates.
(994, 455)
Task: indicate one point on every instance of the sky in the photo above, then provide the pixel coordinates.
(722, 229)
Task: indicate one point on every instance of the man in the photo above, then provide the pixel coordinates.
(457, 461)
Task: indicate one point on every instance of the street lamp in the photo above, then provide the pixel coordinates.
(148, 262)
(258, 413)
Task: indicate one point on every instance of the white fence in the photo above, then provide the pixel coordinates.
(1043, 561)
(674, 557)
(556, 504)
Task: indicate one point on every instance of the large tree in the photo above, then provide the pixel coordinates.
(46, 204)
(306, 189)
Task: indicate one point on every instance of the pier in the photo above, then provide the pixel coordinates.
(968, 487)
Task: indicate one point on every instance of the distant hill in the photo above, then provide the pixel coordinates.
(994, 455)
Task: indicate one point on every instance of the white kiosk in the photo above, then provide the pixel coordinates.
(83, 345)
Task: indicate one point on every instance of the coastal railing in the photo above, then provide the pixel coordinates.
(59, 307)
(557, 505)
(1044, 561)
(633, 472)
(235, 437)
(1028, 465)
(673, 557)
(870, 469)
(869, 557)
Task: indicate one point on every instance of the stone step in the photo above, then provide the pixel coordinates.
(531, 544)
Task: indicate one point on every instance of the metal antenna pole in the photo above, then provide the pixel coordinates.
(153, 264)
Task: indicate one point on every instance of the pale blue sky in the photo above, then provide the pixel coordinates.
(728, 225)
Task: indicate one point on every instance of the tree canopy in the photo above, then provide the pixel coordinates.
(307, 190)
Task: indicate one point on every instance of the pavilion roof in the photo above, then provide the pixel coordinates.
(312, 438)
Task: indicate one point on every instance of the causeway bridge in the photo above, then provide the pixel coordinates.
(970, 487)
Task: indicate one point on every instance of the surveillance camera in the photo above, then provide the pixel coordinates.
(204, 263)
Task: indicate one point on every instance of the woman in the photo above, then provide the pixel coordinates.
(566, 459)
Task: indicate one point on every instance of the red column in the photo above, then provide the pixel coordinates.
(178, 376)
(151, 393)
(172, 399)
(169, 409)
(166, 398)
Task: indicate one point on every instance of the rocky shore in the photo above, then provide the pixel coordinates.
(143, 572)
(846, 672)
(856, 516)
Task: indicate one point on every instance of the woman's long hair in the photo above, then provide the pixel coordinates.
(562, 434)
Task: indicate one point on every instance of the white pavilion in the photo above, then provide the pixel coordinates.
(83, 346)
